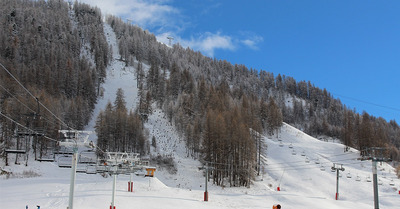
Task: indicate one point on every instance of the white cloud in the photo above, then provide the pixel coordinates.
(207, 43)
(161, 18)
(150, 13)
(252, 42)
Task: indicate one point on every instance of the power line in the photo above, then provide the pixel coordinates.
(16, 98)
(299, 161)
(366, 102)
(25, 104)
(37, 99)
(305, 167)
(17, 81)
(302, 166)
(35, 132)
(297, 165)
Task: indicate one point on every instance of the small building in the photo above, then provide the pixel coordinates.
(150, 171)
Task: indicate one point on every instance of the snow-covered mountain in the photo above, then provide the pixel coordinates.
(298, 164)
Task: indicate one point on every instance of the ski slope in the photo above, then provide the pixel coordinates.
(302, 184)
(118, 76)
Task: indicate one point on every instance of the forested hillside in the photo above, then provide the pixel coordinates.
(59, 52)
(47, 47)
(190, 80)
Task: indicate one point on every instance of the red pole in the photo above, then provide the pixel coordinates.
(205, 196)
(129, 186)
(278, 189)
(337, 196)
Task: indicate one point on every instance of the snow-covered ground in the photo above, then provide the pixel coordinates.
(299, 164)
(303, 185)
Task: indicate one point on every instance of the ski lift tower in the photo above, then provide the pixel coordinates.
(170, 40)
(376, 154)
(74, 139)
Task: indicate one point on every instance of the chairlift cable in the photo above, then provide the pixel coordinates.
(35, 98)
(310, 165)
(26, 105)
(26, 127)
(16, 98)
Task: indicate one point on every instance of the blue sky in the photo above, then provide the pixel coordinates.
(349, 47)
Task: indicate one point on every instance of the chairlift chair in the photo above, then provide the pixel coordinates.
(317, 161)
(348, 175)
(119, 158)
(75, 138)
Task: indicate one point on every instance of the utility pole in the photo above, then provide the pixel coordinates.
(130, 184)
(279, 185)
(337, 167)
(257, 139)
(206, 167)
(36, 124)
(114, 187)
(73, 174)
(375, 154)
(259, 154)
(72, 140)
(170, 40)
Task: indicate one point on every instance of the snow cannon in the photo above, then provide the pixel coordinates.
(277, 206)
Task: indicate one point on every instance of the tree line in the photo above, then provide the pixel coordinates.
(119, 130)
